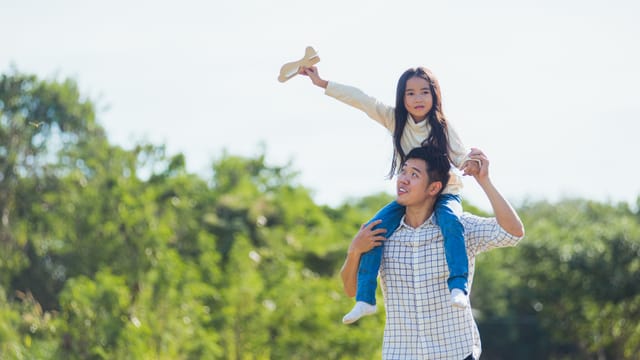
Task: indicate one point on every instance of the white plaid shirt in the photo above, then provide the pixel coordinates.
(420, 321)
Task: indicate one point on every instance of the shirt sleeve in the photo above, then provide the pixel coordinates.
(381, 113)
(484, 234)
(458, 153)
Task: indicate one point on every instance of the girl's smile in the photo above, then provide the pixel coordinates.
(417, 98)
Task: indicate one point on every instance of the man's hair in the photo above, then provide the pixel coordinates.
(438, 165)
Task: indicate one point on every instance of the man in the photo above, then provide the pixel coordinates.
(420, 322)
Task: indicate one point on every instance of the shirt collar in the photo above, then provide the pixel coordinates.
(431, 220)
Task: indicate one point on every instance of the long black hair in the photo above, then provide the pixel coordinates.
(438, 122)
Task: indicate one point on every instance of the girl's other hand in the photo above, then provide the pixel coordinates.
(470, 167)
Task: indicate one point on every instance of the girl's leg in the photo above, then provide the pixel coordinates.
(370, 261)
(448, 211)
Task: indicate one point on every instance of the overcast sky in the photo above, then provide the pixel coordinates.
(549, 89)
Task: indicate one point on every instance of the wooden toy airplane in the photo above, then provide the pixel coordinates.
(289, 70)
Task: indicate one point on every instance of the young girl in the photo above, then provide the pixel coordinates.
(417, 119)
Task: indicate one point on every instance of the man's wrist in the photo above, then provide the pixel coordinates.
(486, 184)
(353, 253)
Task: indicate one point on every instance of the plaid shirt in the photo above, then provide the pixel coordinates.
(420, 321)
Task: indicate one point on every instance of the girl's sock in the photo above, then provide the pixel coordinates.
(459, 299)
(359, 310)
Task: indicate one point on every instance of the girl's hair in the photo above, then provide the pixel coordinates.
(438, 122)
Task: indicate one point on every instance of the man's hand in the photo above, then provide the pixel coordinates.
(367, 238)
(471, 166)
(481, 173)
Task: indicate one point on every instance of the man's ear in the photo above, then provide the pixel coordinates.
(434, 188)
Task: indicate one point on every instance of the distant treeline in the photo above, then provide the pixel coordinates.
(112, 253)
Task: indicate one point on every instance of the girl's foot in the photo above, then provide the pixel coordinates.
(359, 310)
(459, 299)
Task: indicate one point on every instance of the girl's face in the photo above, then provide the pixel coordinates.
(417, 98)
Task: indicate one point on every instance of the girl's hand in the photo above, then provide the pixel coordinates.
(481, 158)
(312, 73)
(367, 238)
(470, 167)
(473, 165)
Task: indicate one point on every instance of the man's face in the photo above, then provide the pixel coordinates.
(412, 183)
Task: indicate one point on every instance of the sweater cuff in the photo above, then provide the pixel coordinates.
(330, 90)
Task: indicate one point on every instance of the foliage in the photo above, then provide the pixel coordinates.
(112, 253)
(571, 287)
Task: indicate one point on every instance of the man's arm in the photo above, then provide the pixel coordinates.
(349, 273)
(365, 240)
(506, 216)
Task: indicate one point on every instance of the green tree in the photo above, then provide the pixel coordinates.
(108, 252)
(37, 118)
(570, 290)
(94, 314)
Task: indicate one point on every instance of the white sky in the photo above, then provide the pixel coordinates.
(549, 89)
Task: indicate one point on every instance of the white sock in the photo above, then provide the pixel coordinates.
(360, 309)
(459, 299)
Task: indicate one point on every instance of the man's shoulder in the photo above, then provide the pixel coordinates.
(471, 221)
(473, 217)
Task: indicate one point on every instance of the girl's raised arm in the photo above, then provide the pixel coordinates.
(312, 73)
